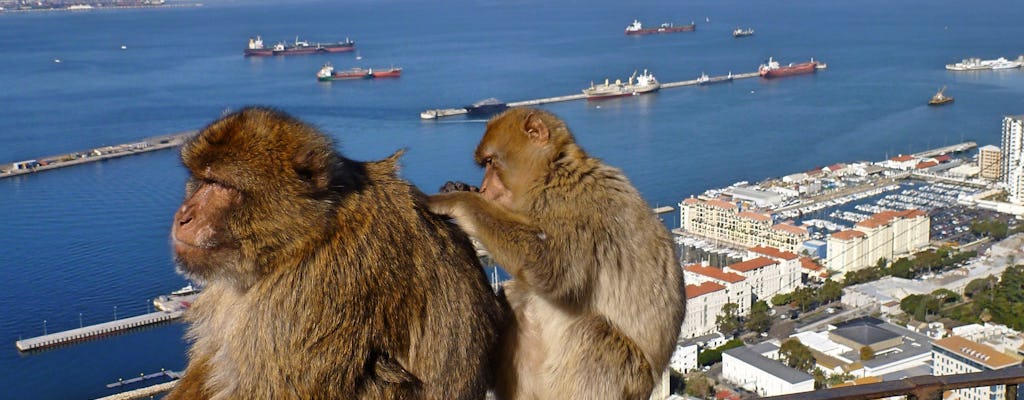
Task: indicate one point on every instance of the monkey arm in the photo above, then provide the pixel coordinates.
(525, 250)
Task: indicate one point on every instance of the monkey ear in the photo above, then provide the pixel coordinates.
(313, 167)
(535, 129)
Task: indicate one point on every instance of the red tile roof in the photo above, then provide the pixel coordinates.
(925, 164)
(902, 158)
(848, 234)
(774, 252)
(722, 204)
(691, 200)
(715, 273)
(693, 291)
(753, 264)
(808, 263)
(835, 167)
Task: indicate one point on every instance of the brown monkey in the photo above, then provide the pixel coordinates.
(597, 293)
(325, 278)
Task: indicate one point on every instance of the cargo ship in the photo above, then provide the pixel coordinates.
(772, 69)
(486, 107)
(645, 83)
(940, 98)
(256, 47)
(977, 64)
(327, 73)
(738, 32)
(637, 28)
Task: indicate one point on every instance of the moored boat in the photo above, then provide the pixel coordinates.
(704, 79)
(940, 98)
(299, 47)
(644, 83)
(256, 48)
(486, 107)
(772, 69)
(739, 32)
(977, 64)
(328, 73)
(637, 28)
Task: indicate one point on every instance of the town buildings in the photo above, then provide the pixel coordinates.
(958, 355)
(1012, 170)
(885, 235)
(750, 369)
(990, 165)
(727, 222)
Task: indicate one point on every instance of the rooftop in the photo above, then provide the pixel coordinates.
(752, 264)
(774, 252)
(693, 291)
(768, 365)
(977, 352)
(715, 273)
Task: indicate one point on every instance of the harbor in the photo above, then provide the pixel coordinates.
(155, 143)
(449, 112)
(171, 307)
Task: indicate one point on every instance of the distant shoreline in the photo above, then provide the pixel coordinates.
(67, 9)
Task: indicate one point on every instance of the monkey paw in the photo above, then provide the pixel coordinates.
(458, 186)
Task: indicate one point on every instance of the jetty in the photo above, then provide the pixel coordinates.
(23, 167)
(91, 331)
(171, 307)
(448, 112)
(956, 148)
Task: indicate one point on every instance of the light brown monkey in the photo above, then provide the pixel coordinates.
(325, 278)
(597, 291)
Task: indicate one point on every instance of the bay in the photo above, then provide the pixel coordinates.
(80, 241)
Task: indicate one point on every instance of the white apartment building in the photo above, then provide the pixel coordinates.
(887, 235)
(764, 376)
(957, 355)
(1012, 170)
(767, 277)
(726, 222)
(737, 289)
(703, 304)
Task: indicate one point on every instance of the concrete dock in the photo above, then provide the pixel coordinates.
(91, 331)
(17, 168)
(448, 112)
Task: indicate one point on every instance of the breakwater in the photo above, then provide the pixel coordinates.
(29, 166)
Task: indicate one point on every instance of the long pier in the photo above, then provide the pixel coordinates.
(91, 331)
(448, 112)
(92, 155)
(956, 148)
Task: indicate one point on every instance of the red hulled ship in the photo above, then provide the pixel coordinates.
(327, 73)
(772, 69)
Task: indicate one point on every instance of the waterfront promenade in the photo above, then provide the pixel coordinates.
(17, 168)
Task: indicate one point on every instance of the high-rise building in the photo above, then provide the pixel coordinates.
(1013, 157)
(990, 162)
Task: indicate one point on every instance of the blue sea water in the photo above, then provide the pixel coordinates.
(84, 243)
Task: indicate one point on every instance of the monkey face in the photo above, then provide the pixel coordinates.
(200, 233)
(514, 152)
(260, 183)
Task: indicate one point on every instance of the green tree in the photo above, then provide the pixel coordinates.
(796, 355)
(782, 298)
(728, 322)
(758, 320)
(903, 268)
(830, 291)
(866, 353)
(979, 285)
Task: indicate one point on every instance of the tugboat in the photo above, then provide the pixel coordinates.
(637, 28)
(645, 83)
(738, 32)
(939, 98)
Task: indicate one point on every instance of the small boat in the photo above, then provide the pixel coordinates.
(772, 69)
(185, 291)
(645, 83)
(739, 32)
(485, 107)
(637, 28)
(1003, 63)
(940, 98)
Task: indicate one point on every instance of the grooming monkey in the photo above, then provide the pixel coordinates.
(325, 277)
(597, 293)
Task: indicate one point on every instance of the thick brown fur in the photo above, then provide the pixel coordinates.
(325, 278)
(597, 292)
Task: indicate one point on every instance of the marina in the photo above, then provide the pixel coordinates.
(450, 112)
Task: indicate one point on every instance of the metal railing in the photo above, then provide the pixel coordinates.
(925, 387)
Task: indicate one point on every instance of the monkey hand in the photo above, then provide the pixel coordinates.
(456, 205)
(458, 186)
